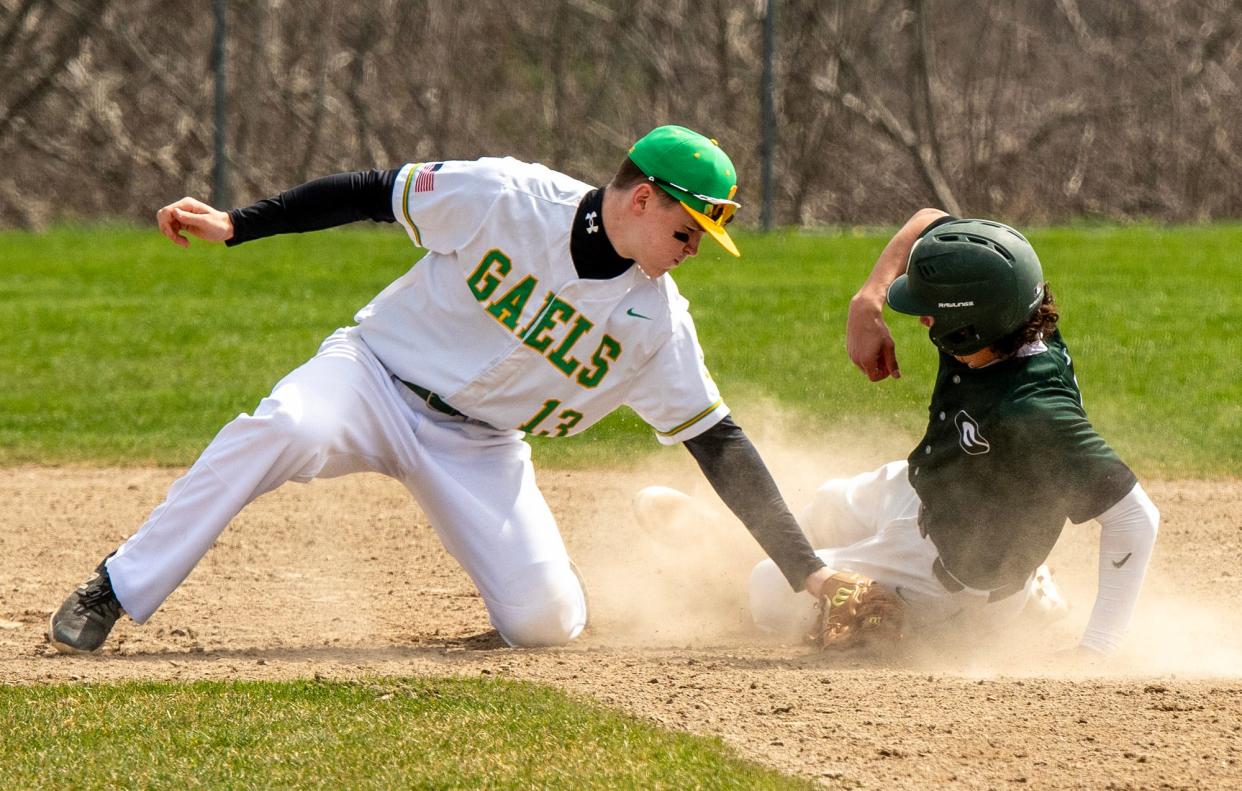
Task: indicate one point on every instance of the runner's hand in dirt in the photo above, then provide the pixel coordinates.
(1079, 657)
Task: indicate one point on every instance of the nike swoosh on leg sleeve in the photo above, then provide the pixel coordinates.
(1129, 528)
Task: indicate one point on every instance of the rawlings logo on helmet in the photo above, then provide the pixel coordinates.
(979, 279)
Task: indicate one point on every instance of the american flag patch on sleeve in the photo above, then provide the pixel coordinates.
(425, 181)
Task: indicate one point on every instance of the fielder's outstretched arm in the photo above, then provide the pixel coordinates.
(323, 203)
(737, 473)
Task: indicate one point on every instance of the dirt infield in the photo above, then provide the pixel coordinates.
(344, 578)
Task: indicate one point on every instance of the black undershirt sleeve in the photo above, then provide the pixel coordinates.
(323, 203)
(733, 467)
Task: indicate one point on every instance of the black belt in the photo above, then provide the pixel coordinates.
(431, 399)
(952, 585)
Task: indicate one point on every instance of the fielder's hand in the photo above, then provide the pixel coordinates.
(196, 218)
(854, 612)
(815, 581)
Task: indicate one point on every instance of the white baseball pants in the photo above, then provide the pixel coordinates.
(868, 524)
(342, 412)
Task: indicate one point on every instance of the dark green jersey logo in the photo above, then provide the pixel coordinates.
(968, 435)
(631, 312)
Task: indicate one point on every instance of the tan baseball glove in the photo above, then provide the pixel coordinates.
(856, 611)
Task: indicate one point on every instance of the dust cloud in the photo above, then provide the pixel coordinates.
(680, 581)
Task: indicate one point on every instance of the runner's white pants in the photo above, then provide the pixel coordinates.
(868, 524)
(342, 412)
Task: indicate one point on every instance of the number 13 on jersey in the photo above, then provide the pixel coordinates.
(569, 418)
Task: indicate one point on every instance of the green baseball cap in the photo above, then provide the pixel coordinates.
(695, 171)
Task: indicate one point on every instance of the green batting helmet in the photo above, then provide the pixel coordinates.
(978, 279)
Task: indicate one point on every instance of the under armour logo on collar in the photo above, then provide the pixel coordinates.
(590, 219)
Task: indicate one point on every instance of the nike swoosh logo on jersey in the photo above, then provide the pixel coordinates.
(631, 312)
(1119, 563)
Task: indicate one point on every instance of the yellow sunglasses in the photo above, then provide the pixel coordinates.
(718, 210)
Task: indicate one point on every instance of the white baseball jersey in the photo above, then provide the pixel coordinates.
(495, 320)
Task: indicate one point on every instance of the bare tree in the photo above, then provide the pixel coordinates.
(1028, 111)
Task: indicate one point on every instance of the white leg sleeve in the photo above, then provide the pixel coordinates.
(1127, 537)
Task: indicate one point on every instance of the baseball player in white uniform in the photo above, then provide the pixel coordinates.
(541, 305)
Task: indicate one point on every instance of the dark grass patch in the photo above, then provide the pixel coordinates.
(390, 733)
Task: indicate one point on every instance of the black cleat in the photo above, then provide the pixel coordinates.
(83, 622)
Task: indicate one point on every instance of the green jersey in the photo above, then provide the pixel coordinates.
(1007, 457)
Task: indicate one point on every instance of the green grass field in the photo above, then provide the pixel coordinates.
(122, 349)
(411, 733)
